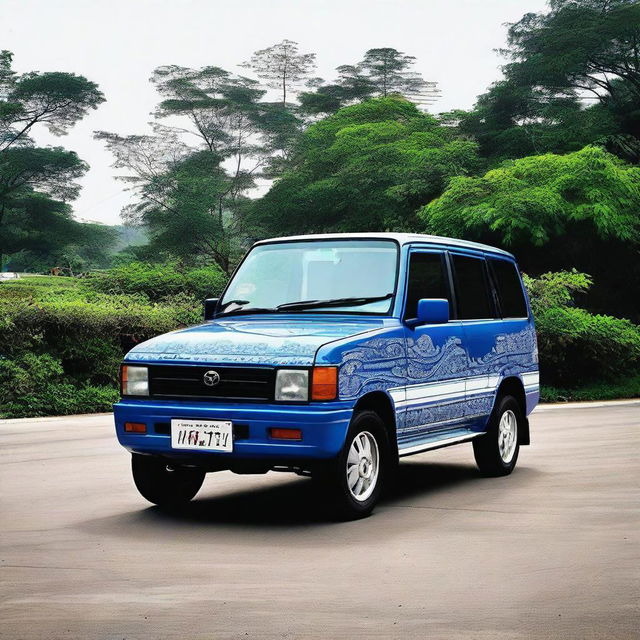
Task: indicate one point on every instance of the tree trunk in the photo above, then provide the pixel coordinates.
(284, 89)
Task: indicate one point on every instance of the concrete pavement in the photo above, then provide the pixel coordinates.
(552, 551)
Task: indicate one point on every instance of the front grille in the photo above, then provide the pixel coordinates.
(236, 383)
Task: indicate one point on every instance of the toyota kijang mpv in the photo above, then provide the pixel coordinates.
(334, 356)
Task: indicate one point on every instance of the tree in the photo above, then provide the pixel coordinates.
(533, 199)
(54, 99)
(577, 54)
(388, 72)
(182, 214)
(282, 66)
(512, 121)
(366, 168)
(382, 72)
(578, 46)
(40, 233)
(29, 174)
(557, 212)
(195, 172)
(352, 85)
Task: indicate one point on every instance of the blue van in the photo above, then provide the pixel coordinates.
(334, 356)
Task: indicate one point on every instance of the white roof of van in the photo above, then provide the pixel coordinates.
(401, 238)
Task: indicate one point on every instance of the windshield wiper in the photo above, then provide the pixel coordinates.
(333, 302)
(242, 309)
(238, 302)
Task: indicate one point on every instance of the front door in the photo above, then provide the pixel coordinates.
(436, 358)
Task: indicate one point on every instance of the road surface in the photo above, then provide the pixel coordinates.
(552, 551)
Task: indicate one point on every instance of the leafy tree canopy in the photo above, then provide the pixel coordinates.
(55, 99)
(382, 72)
(531, 200)
(573, 79)
(36, 183)
(511, 121)
(366, 168)
(184, 199)
(578, 46)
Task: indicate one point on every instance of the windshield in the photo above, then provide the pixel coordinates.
(330, 275)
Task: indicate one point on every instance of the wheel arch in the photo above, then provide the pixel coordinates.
(512, 386)
(382, 404)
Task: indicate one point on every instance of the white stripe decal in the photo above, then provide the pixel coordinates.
(436, 389)
(455, 389)
(532, 377)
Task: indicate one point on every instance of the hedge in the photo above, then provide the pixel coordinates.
(62, 339)
(61, 355)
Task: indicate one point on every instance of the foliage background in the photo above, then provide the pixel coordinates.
(546, 164)
(63, 339)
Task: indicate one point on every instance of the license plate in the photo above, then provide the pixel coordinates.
(202, 435)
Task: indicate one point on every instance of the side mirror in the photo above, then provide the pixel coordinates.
(431, 311)
(210, 305)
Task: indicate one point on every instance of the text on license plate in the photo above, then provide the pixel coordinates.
(203, 435)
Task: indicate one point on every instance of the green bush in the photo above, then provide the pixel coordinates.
(36, 385)
(578, 348)
(158, 281)
(61, 351)
(556, 289)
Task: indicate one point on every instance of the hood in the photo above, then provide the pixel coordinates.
(255, 340)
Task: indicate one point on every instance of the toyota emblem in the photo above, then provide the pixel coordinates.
(211, 378)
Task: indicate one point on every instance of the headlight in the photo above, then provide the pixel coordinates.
(134, 381)
(292, 385)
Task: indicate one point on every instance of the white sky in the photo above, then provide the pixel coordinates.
(117, 43)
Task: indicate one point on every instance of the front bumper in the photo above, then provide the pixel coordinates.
(324, 428)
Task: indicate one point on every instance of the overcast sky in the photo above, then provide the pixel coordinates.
(117, 43)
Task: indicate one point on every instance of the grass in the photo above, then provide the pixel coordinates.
(627, 388)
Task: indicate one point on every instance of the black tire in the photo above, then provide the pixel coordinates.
(487, 448)
(164, 487)
(333, 476)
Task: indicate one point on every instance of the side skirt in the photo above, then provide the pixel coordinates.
(437, 444)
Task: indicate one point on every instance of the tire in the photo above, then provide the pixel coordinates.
(164, 487)
(496, 452)
(353, 481)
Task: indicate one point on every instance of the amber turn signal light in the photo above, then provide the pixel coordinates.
(324, 383)
(135, 427)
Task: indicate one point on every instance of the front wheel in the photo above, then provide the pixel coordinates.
(164, 485)
(496, 452)
(353, 481)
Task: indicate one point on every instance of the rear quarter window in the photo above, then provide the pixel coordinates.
(509, 286)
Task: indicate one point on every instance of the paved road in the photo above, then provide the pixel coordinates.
(551, 552)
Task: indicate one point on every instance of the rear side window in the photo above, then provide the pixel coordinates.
(507, 279)
(427, 279)
(472, 292)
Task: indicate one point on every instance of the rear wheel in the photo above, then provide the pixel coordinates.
(353, 481)
(164, 485)
(496, 452)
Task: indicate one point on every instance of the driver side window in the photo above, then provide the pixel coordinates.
(427, 279)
